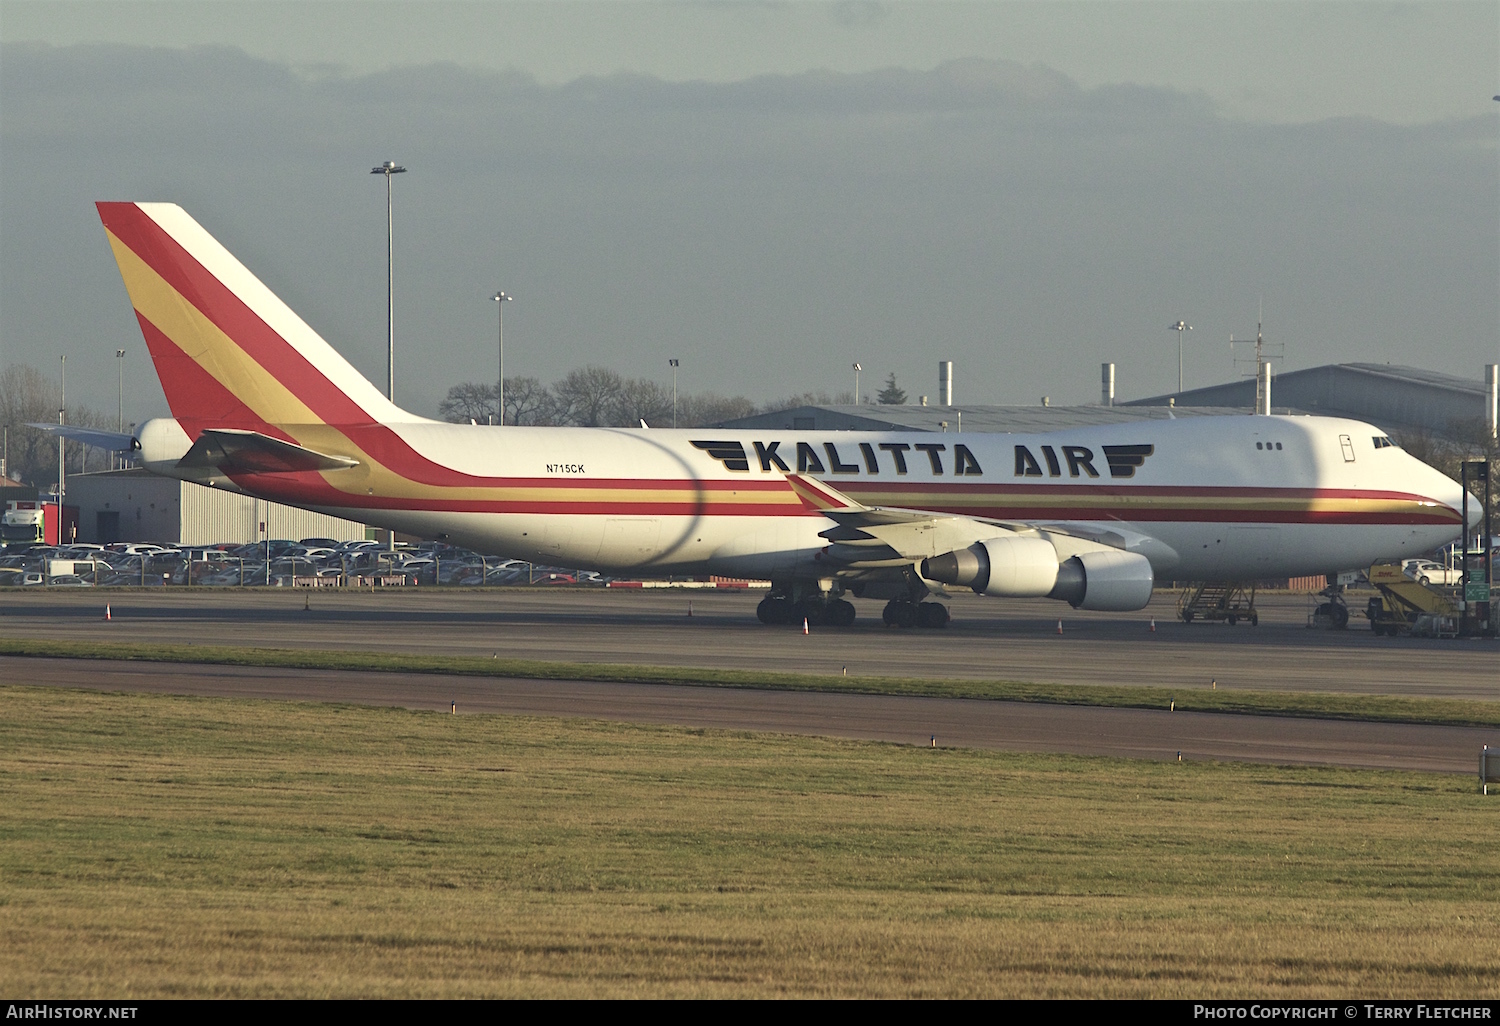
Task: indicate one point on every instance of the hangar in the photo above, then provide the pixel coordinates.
(1399, 399)
(1404, 400)
(134, 505)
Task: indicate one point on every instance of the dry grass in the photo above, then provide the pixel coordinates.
(159, 846)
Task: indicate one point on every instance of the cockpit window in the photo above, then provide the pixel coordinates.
(1384, 442)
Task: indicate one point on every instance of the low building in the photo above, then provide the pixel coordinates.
(133, 505)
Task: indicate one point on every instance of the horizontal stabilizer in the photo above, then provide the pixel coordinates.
(113, 441)
(250, 452)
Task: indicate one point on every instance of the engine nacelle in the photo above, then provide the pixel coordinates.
(1018, 566)
(162, 444)
(1113, 581)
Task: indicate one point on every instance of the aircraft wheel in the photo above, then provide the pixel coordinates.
(1339, 615)
(1187, 616)
(774, 611)
(839, 613)
(812, 612)
(933, 615)
(899, 614)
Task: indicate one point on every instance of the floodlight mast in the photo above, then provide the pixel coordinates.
(389, 168)
(501, 298)
(1179, 327)
(674, 364)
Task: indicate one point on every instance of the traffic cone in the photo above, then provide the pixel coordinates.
(1059, 626)
(107, 617)
(1153, 625)
(690, 608)
(804, 625)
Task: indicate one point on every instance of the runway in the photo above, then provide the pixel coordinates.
(1010, 726)
(989, 638)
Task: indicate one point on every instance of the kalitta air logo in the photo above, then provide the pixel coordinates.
(900, 458)
(1123, 460)
(857, 458)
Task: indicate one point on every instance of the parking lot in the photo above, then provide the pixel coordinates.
(276, 563)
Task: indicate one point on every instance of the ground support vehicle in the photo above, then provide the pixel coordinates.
(1405, 606)
(1218, 600)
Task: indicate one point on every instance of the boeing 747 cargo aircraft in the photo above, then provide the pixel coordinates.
(1091, 516)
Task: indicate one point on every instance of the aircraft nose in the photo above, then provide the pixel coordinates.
(1476, 511)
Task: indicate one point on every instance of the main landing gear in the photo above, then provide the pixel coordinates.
(903, 612)
(818, 612)
(794, 603)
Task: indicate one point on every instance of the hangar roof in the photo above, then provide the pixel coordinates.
(1020, 419)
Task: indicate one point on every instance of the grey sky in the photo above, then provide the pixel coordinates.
(1074, 177)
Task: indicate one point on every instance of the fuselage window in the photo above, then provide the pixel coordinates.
(1259, 446)
(1278, 446)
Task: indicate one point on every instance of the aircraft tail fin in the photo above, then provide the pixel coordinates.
(229, 353)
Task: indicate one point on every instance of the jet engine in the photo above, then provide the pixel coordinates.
(1027, 567)
(1108, 580)
(162, 444)
(1018, 566)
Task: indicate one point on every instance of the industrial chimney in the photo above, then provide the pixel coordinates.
(1263, 389)
(945, 383)
(1106, 384)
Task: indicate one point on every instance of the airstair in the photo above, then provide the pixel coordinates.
(1405, 606)
(1218, 600)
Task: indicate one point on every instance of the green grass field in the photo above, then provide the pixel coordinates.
(167, 846)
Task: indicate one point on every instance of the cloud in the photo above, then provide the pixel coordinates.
(766, 231)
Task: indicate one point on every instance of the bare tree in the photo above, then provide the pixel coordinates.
(588, 395)
(28, 396)
(642, 400)
(470, 401)
(529, 402)
(708, 408)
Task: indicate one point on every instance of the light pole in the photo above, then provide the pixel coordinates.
(120, 363)
(501, 299)
(1179, 327)
(674, 391)
(857, 369)
(62, 410)
(389, 168)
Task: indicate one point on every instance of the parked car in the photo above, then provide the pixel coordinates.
(1426, 571)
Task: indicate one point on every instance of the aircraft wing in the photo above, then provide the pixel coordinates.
(871, 536)
(250, 452)
(906, 535)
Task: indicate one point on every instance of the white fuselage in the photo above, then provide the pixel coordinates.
(1201, 497)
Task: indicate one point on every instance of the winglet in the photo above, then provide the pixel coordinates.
(821, 496)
